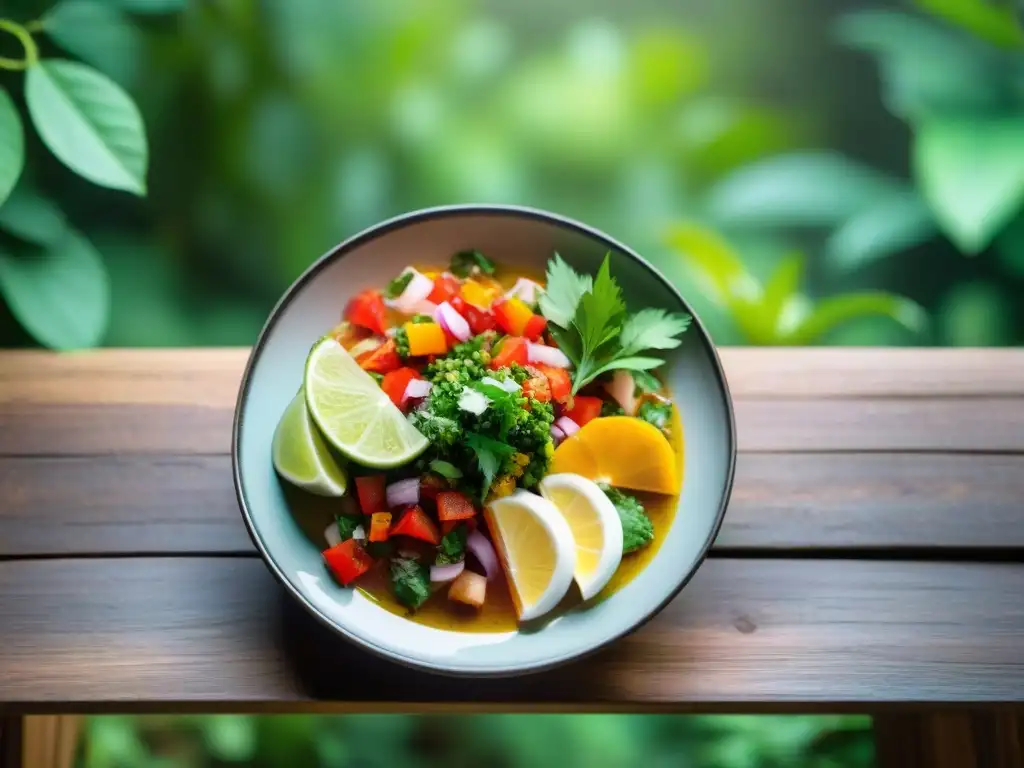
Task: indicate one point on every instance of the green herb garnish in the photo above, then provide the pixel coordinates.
(446, 469)
(490, 454)
(398, 285)
(467, 263)
(589, 322)
(347, 525)
(645, 383)
(452, 548)
(657, 413)
(410, 580)
(637, 529)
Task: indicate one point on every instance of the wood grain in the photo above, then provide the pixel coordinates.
(83, 633)
(972, 739)
(170, 504)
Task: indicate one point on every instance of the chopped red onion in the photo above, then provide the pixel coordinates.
(567, 425)
(440, 573)
(449, 318)
(525, 289)
(359, 533)
(509, 385)
(545, 355)
(473, 402)
(621, 388)
(557, 434)
(404, 493)
(416, 388)
(333, 535)
(483, 551)
(419, 287)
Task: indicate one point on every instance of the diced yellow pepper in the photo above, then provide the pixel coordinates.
(478, 294)
(513, 315)
(426, 339)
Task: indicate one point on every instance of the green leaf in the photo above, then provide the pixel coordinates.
(599, 314)
(832, 312)
(800, 189)
(59, 294)
(782, 286)
(231, 738)
(993, 21)
(12, 146)
(29, 216)
(1009, 247)
(971, 172)
(653, 329)
(98, 33)
(894, 223)
(565, 287)
(468, 263)
(89, 123)
(626, 364)
(716, 266)
(151, 6)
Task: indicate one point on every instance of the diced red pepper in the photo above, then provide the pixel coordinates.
(367, 310)
(512, 350)
(383, 359)
(348, 560)
(512, 315)
(538, 388)
(535, 327)
(417, 525)
(395, 383)
(479, 320)
(372, 493)
(449, 525)
(558, 382)
(452, 505)
(380, 526)
(446, 288)
(584, 409)
(431, 485)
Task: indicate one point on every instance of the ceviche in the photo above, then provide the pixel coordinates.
(495, 442)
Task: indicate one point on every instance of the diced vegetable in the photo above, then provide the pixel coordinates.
(656, 412)
(537, 387)
(472, 401)
(466, 263)
(384, 359)
(452, 322)
(370, 490)
(410, 580)
(584, 409)
(567, 425)
(380, 526)
(477, 294)
(432, 484)
(469, 588)
(413, 298)
(426, 339)
(396, 382)
(512, 315)
(542, 354)
(558, 381)
(511, 350)
(333, 535)
(446, 573)
(417, 525)
(452, 548)
(525, 289)
(367, 310)
(535, 328)
(452, 505)
(346, 526)
(417, 389)
(446, 288)
(347, 561)
(479, 320)
(397, 286)
(446, 469)
(483, 551)
(403, 493)
(622, 388)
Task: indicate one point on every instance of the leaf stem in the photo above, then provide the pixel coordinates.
(25, 37)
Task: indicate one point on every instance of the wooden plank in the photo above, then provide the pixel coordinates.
(50, 741)
(211, 376)
(942, 424)
(972, 739)
(10, 741)
(781, 502)
(78, 634)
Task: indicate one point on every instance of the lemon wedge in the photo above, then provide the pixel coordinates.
(536, 549)
(595, 525)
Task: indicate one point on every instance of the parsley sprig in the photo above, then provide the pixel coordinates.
(588, 320)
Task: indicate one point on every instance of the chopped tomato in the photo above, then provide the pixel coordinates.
(367, 310)
(512, 350)
(426, 339)
(449, 525)
(452, 505)
(534, 328)
(446, 288)
(512, 315)
(383, 359)
(584, 409)
(479, 320)
(395, 383)
(417, 525)
(558, 381)
(372, 493)
(537, 387)
(431, 485)
(348, 560)
(380, 526)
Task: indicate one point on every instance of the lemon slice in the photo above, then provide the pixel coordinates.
(536, 549)
(595, 525)
(300, 455)
(353, 413)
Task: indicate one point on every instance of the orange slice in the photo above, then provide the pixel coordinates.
(621, 451)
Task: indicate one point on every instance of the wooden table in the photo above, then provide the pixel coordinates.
(872, 556)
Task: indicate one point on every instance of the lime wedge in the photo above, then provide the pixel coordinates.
(300, 455)
(353, 413)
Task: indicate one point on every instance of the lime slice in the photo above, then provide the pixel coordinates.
(300, 455)
(353, 413)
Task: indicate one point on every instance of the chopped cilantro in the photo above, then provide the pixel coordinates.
(657, 413)
(399, 284)
(446, 469)
(637, 529)
(401, 343)
(645, 383)
(347, 525)
(410, 580)
(611, 408)
(467, 263)
(378, 377)
(419, 319)
(490, 455)
(452, 548)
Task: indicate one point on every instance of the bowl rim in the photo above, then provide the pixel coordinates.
(379, 229)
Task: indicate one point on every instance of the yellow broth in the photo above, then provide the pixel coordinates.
(314, 514)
